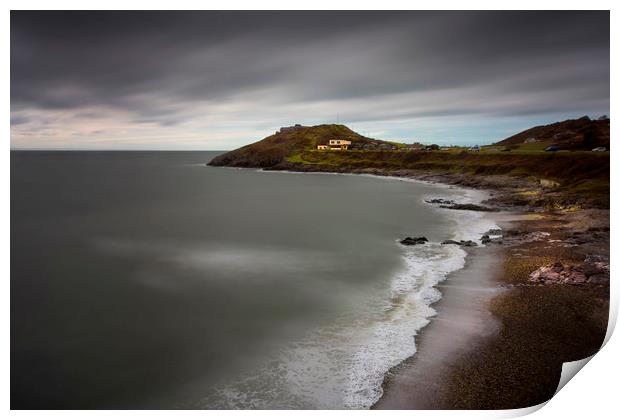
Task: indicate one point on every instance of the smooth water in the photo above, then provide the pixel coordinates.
(149, 280)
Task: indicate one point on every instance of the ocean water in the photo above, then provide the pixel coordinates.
(149, 280)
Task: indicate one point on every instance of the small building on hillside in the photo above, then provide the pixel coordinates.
(335, 144)
(339, 144)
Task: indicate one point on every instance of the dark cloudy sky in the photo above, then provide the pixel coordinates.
(218, 80)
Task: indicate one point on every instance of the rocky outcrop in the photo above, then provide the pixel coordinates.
(493, 236)
(461, 243)
(594, 269)
(439, 201)
(467, 206)
(414, 241)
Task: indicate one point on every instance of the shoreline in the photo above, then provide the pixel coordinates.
(462, 322)
(533, 330)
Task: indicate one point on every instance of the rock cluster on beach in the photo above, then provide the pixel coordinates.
(492, 236)
(593, 270)
(419, 240)
(484, 239)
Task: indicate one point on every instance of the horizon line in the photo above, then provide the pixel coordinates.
(26, 149)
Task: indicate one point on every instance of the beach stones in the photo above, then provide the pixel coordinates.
(414, 241)
(592, 270)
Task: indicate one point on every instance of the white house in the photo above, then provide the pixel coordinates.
(335, 144)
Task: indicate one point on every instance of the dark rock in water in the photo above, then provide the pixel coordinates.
(485, 239)
(474, 207)
(439, 201)
(494, 232)
(461, 243)
(414, 241)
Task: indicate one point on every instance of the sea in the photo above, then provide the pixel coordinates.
(148, 280)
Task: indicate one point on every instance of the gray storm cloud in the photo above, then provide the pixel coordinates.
(216, 79)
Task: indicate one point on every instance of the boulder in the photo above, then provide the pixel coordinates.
(414, 241)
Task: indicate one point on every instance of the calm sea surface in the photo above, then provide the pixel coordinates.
(149, 280)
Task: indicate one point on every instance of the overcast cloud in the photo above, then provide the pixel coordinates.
(218, 80)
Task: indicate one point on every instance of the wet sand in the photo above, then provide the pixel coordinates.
(463, 321)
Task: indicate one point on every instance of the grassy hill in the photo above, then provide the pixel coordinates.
(288, 141)
(579, 134)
